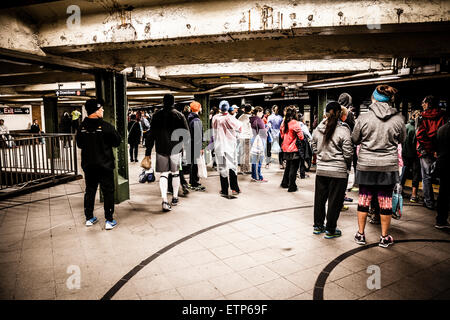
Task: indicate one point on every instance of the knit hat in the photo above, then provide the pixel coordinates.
(92, 105)
(195, 106)
(224, 106)
(345, 100)
(231, 109)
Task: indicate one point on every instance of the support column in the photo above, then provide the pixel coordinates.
(204, 101)
(321, 104)
(111, 87)
(51, 114)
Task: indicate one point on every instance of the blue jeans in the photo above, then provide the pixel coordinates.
(425, 164)
(256, 169)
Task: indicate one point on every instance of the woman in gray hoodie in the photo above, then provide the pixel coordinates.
(378, 132)
(332, 143)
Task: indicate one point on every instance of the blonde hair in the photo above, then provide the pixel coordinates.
(344, 111)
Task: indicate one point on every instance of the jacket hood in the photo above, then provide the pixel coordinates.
(321, 127)
(192, 116)
(434, 113)
(383, 110)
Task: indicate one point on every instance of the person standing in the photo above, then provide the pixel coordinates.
(145, 125)
(409, 155)
(196, 131)
(96, 138)
(168, 153)
(290, 131)
(134, 137)
(75, 120)
(224, 127)
(258, 143)
(275, 120)
(443, 159)
(36, 129)
(245, 137)
(305, 156)
(430, 120)
(378, 132)
(332, 143)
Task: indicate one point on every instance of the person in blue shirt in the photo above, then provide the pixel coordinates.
(274, 123)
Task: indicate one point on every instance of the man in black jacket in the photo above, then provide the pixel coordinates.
(96, 138)
(443, 144)
(168, 129)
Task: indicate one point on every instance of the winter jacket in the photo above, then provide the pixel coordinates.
(429, 122)
(335, 156)
(196, 131)
(290, 136)
(164, 123)
(134, 132)
(409, 146)
(96, 138)
(379, 132)
(443, 148)
(35, 128)
(246, 126)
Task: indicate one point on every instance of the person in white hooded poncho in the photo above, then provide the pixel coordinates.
(225, 130)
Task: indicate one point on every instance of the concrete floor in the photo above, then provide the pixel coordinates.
(269, 252)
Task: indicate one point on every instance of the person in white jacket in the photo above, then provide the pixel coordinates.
(245, 136)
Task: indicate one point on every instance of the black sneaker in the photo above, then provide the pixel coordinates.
(386, 241)
(360, 238)
(428, 207)
(185, 188)
(442, 226)
(174, 201)
(319, 230)
(166, 206)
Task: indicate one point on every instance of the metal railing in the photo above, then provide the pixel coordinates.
(30, 159)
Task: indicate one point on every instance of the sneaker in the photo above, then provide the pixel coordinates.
(360, 238)
(355, 189)
(414, 199)
(263, 180)
(442, 226)
(344, 208)
(428, 207)
(253, 180)
(199, 188)
(284, 187)
(91, 221)
(293, 189)
(166, 206)
(110, 224)
(337, 233)
(348, 199)
(386, 241)
(174, 202)
(185, 188)
(319, 230)
(235, 193)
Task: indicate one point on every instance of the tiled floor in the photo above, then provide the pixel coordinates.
(273, 255)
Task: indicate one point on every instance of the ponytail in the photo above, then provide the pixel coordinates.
(333, 113)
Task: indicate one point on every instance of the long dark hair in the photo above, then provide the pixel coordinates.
(333, 112)
(291, 114)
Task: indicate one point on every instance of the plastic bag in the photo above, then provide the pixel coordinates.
(146, 163)
(275, 147)
(397, 202)
(201, 164)
(257, 147)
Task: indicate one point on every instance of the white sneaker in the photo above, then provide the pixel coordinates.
(110, 224)
(91, 222)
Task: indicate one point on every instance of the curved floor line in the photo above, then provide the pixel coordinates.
(323, 276)
(119, 284)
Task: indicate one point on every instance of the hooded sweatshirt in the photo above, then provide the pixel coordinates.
(335, 156)
(409, 146)
(196, 130)
(379, 132)
(429, 122)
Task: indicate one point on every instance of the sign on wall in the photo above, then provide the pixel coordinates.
(14, 110)
(70, 92)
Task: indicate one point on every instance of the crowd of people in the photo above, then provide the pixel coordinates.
(377, 146)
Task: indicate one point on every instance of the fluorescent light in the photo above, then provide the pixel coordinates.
(148, 92)
(350, 82)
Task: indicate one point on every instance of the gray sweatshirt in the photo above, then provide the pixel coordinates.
(379, 132)
(334, 157)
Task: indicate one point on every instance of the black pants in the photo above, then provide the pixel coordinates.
(193, 172)
(302, 169)
(333, 190)
(106, 180)
(280, 158)
(290, 174)
(133, 151)
(414, 165)
(443, 197)
(269, 151)
(233, 182)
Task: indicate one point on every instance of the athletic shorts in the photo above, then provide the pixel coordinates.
(168, 163)
(384, 194)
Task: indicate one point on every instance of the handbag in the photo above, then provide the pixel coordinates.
(201, 164)
(146, 163)
(257, 147)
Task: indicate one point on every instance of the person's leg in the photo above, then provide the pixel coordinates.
(91, 179)
(246, 155)
(193, 175)
(175, 183)
(443, 198)
(260, 162)
(163, 185)
(365, 197)
(131, 153)
(302, 169)
(136, 147)
(320, 198)
(336, 192)
(416, 176)
(285, 181)
(269, 152)
(425, 164)
(293, 174)
(385, 202)
(107, 187)
(234, 181)
(407, 163)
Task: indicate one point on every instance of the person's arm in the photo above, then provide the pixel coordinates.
(347, 148)
(298, 131)
(421, 137)
(149, 140)
(314, 142)
(79, 138)
(356, 135)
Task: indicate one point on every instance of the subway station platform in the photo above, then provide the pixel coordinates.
(259, 246)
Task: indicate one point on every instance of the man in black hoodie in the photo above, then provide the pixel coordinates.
(166, 134)
(443, 158)
(96, 138)
(196, 130)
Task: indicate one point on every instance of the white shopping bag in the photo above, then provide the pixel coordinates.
(202, 172)
(351, 179)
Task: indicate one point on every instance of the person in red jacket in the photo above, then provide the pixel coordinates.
(431, 119)
(290, 131)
